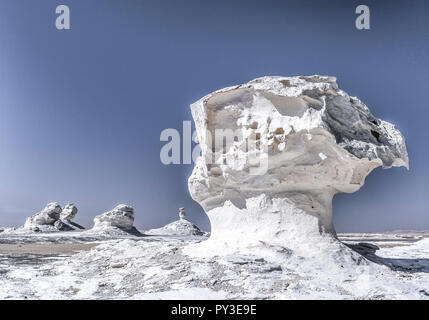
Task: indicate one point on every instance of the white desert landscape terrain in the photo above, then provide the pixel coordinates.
(268, 190)
(74, 265)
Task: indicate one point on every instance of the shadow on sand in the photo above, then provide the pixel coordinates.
(396, 264)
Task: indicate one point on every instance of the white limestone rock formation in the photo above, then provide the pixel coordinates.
(45, 219)
(65, 223)
(68, 212)
(181, 227)
(53, 218)
(296, 142)
(121, 218)
(182, 214)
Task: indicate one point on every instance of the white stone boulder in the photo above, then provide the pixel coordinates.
(47, 217)
(68, 213)
(53, 218)
(182, 213)
(276, 150)
(121, 217)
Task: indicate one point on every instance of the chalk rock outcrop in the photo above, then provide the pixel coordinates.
(182, 213)
(47, 217)
(68, 212)
(65, 223)
(122, 217)
(53, 218)
(181, 227)
(276, 150)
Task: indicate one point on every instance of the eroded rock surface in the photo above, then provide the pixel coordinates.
(53, 218)
(296, 142)
(121, 217)
(68, 212)
(47, 217)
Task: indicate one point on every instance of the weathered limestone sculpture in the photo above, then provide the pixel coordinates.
(182, 213)
(47, 217)
(122, 217)
(53, 218)
(69, 212)
(296, 142)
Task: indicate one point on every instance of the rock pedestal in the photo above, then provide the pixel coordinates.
(182, 213)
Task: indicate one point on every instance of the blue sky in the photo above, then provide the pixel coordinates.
(81, 111)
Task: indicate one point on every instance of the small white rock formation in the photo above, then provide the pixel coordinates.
(53, 218)
(181, 227)
(182, 213)
(297, 142)
(121, 217)
(45, 218)
(68, 212)
(65, 223)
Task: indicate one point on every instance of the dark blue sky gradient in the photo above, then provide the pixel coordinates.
(81, 111)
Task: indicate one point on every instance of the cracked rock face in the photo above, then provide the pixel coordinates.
(48, 216)
(121, 217)
(296, 142)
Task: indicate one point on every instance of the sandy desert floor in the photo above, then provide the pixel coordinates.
(45, 249)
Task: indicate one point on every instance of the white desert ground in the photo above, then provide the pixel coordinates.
(74, 265)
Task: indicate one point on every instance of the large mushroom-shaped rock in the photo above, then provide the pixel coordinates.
(276, 150)
(181, 227)
(47, 217)
(121, 217)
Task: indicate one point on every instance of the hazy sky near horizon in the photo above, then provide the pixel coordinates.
(81, 111)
